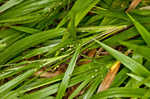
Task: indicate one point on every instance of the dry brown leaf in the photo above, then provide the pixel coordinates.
(109, 77)
(47, 74)
(92, 53)
(111, 74)
(133, 5)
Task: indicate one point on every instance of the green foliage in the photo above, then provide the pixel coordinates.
(67, 75)
(144, 33)
(49, 35)
(126, 61)
(121, 92)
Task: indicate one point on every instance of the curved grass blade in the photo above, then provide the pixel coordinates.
(77, 91)
(14, 71)
(13, 83)
(81, 8)
(68, 73)
(34, 52)
(143, 32)
(93, 87)
(28, 42)
(20, 20)
(25, 29)
(126, 61)
(121, 92)
(80, 71)
(142, 50)
(120, 78)
(140, 80)
(9, 4)
(54, 87)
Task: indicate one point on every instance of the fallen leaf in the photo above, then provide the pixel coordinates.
(47, 74)
(109, 77)
(133, 5)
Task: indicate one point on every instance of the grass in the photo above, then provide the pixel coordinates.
(74, 49)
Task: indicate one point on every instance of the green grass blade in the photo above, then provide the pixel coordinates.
(121, 92)
(142, 50)
(9, 4)
(13, 83)
(120, 78)
(34, 52)
(77, 91)
(54, 87)
(25, 29)
(28, 42)
(72, 27)
(93, 87)
(126, 61)
(12, 71)
(140, 80)
(81, 8)
(68, 73)
(20, 20)
(143, 32)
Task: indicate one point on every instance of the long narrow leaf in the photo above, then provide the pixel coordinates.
(9, 4)
(121, 92)
(142, 50)
(13, 83)
(77, 91)
(127, 61)
(68, 73)
(28, 42)
(144, 33)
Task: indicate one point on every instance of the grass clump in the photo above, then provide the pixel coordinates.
(74, 49)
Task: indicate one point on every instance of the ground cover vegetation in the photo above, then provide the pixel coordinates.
(74, 49)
